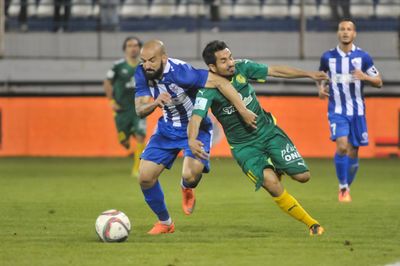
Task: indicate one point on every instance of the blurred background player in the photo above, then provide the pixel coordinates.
(120, 90)
(263, 153)
(173, 85)
(337, 16)
(349, 68)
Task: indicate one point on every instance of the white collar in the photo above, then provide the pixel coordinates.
(343, 54)
(167, 67)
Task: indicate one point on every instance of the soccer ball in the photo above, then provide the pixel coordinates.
(113, 226)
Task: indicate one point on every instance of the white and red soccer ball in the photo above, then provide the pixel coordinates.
(113, 226)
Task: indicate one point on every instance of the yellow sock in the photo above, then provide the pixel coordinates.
(136, 161)
(290, 205)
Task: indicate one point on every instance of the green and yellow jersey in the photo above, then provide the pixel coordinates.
(236, 130)
(122, 77)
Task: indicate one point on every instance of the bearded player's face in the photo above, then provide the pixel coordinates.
(225, 65)
(153, 64)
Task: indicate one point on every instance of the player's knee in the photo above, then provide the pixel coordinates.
(341, 148)
(303, 177)
(270, 182)
(126, 144)
(272, 185)
(146, 181)
(341, 151)
(140, 138)
(192, 173)
(190, 176)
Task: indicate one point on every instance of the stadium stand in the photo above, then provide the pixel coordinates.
(259, 14)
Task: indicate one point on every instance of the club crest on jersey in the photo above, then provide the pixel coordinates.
(364, 136)
(240, 79)
(173, 87)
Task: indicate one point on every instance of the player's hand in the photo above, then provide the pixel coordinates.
(319, 75)
(358, 74)
(323, 90)
(249, 117)
(163, 99)
(115, 106)
(197, 149)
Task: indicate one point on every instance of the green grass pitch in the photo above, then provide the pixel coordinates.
(48, 207)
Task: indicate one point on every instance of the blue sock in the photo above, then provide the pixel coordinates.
(341, 164)
(353, 167)
(193, 185)
(154, 197)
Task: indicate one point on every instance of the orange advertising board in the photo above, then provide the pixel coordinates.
(84, 126)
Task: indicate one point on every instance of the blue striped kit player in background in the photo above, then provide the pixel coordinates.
(173, 84)
(349, 68)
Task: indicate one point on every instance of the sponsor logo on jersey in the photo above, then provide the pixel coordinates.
(342, 78)
(231, 109)
(290, 153)
(131, 84)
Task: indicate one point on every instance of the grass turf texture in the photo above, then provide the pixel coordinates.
(48, 208)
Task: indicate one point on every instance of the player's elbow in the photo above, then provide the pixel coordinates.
(139, 112)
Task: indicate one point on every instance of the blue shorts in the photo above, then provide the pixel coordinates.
(164, 148)
(354, 127)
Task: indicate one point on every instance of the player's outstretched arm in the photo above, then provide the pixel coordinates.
(226, 88)
(144, 106)
(193, 131)
(108, 88)
(291, 72)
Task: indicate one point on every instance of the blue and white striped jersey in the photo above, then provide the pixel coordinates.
(346, 93)
(182, 82)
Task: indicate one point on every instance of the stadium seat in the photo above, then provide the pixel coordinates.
(135, 8)
(245, 8)
(163, 8)
(14, 8)
(81, 8)
(322, 9)
(387, 8)
(45, 8)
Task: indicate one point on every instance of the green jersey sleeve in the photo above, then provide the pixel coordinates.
(253, 70)
(111, 73)
(204, 99)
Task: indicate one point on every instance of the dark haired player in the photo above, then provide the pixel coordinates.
(120, 90)
(263, 153)
(173, 85)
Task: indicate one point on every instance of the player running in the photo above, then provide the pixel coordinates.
(173, 85)
(265, 153)
(120, 90)
(348, 67)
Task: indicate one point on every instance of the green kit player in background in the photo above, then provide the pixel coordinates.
(263, 153)
(120, 90)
